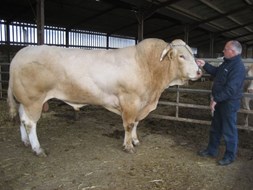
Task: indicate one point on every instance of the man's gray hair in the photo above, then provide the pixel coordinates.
(237, 46)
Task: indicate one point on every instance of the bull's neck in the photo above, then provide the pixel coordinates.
(160, 76)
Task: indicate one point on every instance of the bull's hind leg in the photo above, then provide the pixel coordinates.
(28, 132)
(24, 136)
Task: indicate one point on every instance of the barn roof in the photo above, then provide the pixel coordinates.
(165, 19)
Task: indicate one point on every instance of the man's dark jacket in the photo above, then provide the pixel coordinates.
(229, 78)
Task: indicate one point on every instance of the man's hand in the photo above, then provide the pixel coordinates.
(200, 62)
(212, 106)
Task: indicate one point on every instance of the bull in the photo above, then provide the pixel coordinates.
(127, 81)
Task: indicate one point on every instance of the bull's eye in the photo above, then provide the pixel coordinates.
(182, 56)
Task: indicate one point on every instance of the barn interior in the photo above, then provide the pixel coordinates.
(203, 24)
(87, 154)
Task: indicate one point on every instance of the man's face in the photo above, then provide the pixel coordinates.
(229, 51)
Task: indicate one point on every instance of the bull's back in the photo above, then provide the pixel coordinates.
(72, 74)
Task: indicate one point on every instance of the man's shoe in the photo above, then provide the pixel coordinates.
(205, 153)
(225, 161)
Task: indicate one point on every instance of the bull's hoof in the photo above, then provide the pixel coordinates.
(136, 142)
(130, 150)
(41, 153)
(26, 143)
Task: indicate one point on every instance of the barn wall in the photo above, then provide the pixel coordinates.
(204, 51)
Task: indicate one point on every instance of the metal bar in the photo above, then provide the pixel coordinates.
(200, 91)
(249, 128)
(4, 81)
(188, 90)
(4, 72)
(177, 107)
(1, 87)
(180, 119)
(197, 106)
(183, 105)
(4, 63)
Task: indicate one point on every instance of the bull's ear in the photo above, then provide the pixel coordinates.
(172, 53)
(165, 51)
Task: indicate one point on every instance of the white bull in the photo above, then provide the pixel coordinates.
(127, 81)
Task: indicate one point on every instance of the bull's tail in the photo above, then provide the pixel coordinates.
(13, 105)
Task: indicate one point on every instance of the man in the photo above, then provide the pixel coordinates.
(225, 102)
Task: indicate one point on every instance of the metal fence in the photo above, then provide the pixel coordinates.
(4, 75)
(179, 106)
(23, 34)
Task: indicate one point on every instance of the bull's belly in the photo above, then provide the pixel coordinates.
(109, 102)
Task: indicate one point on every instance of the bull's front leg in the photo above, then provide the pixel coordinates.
(128, 145)
(129, 107)
(131, 138)
(135, 139)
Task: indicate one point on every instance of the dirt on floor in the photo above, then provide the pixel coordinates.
(87, 154)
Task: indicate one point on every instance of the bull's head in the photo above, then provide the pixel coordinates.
(178, 52)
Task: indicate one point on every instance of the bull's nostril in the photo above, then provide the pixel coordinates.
(199, 72)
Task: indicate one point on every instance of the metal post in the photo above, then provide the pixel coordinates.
(40, 32)
(177, 101)
(140, 25)
(107, 41)
(1, 88)
(211, 45)
(67, 37)
(40, 21)
(7, 33)
(245, 51)
(186, 33)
